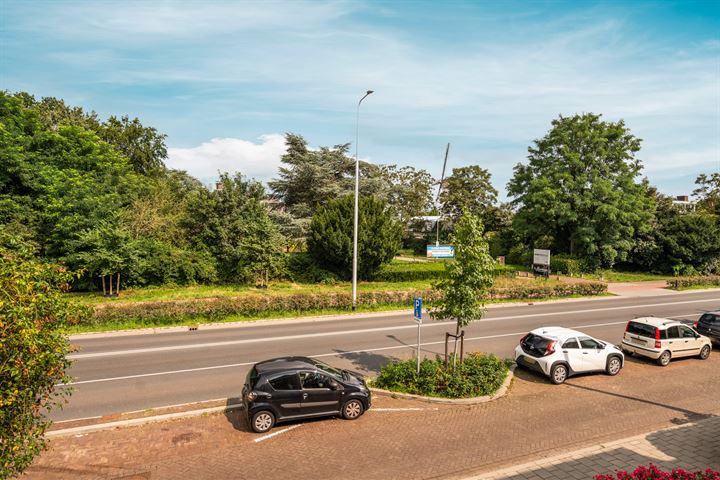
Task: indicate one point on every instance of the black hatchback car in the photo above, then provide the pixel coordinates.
(709, 325)
(292, 388)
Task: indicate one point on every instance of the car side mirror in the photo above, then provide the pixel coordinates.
(334, 385)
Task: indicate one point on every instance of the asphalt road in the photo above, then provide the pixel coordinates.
(115, 374)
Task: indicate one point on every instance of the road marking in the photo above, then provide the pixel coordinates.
(399, 409)
(321, 355)
(274, 434)
(358, 331)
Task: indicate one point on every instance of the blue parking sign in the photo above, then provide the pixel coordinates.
(418, 309)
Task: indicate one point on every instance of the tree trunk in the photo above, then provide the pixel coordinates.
(117, 289)
(104, 289)
(110, 278)
(457, 334)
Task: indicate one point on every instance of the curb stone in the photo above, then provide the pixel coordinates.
(501, 392)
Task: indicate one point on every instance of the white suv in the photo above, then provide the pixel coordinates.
(560, 352)
(663, 339)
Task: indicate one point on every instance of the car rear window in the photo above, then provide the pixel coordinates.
(251, 378)
(642, 329)
(536, 344)
(710, 319)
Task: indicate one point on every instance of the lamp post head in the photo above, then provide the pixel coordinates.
(369, 92)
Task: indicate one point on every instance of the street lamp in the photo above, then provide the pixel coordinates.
(357, 194)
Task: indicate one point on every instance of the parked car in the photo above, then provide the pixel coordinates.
(291, 388)
(561, 352)
(709, 325)
(663, 339)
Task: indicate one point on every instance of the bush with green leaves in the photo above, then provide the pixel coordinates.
(478, 375)
(330, 240)
(680, 283)
(33, 355)
(566, 264)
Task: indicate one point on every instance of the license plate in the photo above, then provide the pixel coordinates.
(638, 340)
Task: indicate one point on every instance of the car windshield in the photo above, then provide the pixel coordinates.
(324, 367)
(251, 378)
(641, 329)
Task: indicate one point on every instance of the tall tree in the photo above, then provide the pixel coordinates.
(468, 278)
(708, 192)
(143, 146)
(579, 192)
(410, 194)
(468, 189)
(330, 241)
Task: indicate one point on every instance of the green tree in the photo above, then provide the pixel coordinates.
(330, 240)
(578, 193)
(233, 222)
(467, 189)
(33, 356)
(468, 278)
(410, 194)
(143, 146)
(708, 192)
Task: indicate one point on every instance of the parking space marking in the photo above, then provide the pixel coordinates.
(274, 434)
(333, 354)
(409, 409)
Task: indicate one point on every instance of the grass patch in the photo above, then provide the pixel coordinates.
(478, 375)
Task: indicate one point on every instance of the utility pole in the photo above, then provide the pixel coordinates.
(437, 199)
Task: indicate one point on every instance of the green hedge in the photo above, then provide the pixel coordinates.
(566, 264)
(168, 312)
(476, 376)
(411, 272)
(686, 282)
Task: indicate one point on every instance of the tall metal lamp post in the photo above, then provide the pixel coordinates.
(357, 194)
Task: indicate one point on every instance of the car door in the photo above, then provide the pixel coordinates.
(593, 354)
(317, 395)
(691, 342)
(572, 354)
(675, 343)
(286, 394)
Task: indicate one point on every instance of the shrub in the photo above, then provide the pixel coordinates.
(654, 473)
(686, 282)
(32, 356)
(411, 272)
(303, 269)
(566, 264)
(478, 375)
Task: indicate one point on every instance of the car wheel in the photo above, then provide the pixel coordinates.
(262, 421)
(558, 374)
(352, 409)
(664, 358)
(613, 366)
(705, 352)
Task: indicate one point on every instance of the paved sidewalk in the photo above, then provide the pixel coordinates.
(640, 289)
(694, 447)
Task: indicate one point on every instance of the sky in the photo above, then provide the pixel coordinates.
(226, 80)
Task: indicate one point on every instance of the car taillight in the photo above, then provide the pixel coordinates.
(627, 327)
(695, 323)
(550, 348)
(252, 396)
(657, 338)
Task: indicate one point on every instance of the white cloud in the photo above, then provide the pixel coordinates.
(255, 160)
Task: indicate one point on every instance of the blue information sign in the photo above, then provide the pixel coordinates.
(440, 251)
(418, 310)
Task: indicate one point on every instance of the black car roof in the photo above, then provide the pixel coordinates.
(284, 363)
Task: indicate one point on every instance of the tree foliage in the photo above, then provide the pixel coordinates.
(578, 194)
(468, 277)
(468, 189)
(708, 192)
(33, 355)
(410, 192)
(330, 241)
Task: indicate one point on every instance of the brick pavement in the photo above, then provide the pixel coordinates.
(694, 446)
(536, 420)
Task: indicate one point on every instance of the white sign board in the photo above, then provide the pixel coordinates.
(541, 257)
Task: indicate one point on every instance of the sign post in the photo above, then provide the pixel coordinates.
(417, 316)
(541, 262)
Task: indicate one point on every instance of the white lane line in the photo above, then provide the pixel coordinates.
(358, 331)
(274, 434)
(321, 355)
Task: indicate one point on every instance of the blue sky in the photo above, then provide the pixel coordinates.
(225, 80)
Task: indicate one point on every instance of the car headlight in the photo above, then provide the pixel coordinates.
(252, 396)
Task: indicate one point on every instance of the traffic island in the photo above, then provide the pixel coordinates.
(478, 379)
